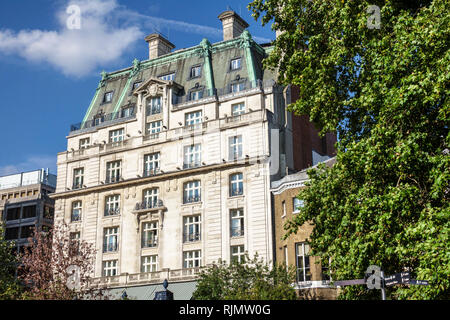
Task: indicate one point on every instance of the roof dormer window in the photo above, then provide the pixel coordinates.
(168, 77)
(195, 72)
(136, 85)
(235, 64)
(107, 98)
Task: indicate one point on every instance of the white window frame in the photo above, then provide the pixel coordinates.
(116, 135)
(283, 208)
(154, 105)
(237, 222)
(286, 259)
(112, 205)
(153, 127)
(235, 148)
(196, 71)
(195, 95)
(107, 97)
(237, 87)
(151, 163)
(110, 268)
(235, 64)
(149, 236)
(98, 119)
(236, 183)
(84, 143)
(151, 197)
(75, 236)
(149, 263)
(113, 171)
(193, 118)
(192, 156)
(110, 239)
(192, 228)
(295, 206)
(168, 77)
(192, 191)
(76, 210)
(237, 253)
(238, 109)
(78, 177)
(192, 259)
(126, 112)
(301, 253)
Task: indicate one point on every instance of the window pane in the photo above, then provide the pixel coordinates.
(238, 109)
(154, 106)
(235, 64)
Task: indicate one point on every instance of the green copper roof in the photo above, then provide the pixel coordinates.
(215, 72)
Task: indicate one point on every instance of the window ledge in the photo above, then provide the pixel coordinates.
(111, 217)
(236, 197)
(191, 204)
(110, 252)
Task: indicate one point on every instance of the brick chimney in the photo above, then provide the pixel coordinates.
(233, 24)
(158, 45)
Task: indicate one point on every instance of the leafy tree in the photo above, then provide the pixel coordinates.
(55, 267)
(385, 92)
(251, 280)
(9, 286)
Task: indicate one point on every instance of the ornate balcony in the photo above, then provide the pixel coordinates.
(237, 232)
(192, 199)
(113, 179)
(191, 237)
(151, 172)
(144, 278)
(112, 212)
(147, 205)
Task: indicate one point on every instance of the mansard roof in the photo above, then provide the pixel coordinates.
(120, 83)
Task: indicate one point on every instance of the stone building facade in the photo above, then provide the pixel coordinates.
(25, 204)
(311, 281)
(171, 167)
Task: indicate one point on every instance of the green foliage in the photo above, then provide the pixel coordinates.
(9, 286)
(385, 92)
(252, 280)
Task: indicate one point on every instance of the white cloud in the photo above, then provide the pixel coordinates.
(107, 31)
(98, 43)
(34, 162)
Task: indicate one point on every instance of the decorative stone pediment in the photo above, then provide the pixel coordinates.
(154, 87)
(151, 87)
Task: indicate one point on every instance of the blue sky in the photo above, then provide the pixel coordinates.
(48, 73)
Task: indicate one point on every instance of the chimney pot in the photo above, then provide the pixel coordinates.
(233, 24)
(158, 45)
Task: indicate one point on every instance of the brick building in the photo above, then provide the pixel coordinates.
(311, 282)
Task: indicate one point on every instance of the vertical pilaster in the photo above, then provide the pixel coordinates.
(206, 52)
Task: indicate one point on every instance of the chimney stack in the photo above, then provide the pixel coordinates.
(158, 45)
(233, 24)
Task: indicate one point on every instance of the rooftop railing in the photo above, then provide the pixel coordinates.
(192, 97)
(103, 119)
(238, 87)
